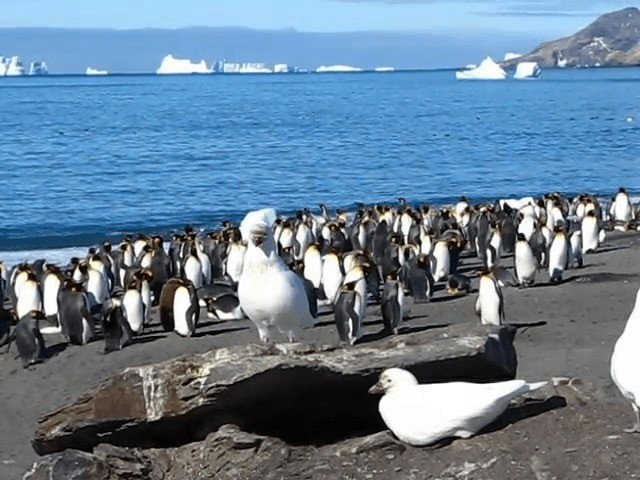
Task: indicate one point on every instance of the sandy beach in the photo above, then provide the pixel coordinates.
(563, 330)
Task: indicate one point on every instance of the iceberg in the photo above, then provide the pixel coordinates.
(281, 68)
(38, 68)
(384, 69)
(527, 70)
(11, 67)
(95, 71)
(487, 70)
(337, 69)
(172, 65)
(511, 56)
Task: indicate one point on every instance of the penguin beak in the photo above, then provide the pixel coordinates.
(377, 388)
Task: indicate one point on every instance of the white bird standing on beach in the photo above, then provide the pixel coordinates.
(270, 294)
(625, 361)
(424, 414)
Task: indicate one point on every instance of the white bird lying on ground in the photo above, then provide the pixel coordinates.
(625, 361)
(424, 414)
(270, 293)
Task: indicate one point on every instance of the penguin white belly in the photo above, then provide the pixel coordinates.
(557, 256)
(496, 243)
(29, 299)
(145, 294)
(304, 239)
(97, 289)
(590, 234)
(426, 244)
(146, 260)
(489, 302)
(526, 265)
(558, 217)
(313, 267)
(138, 245)
(527, 227)
(441, 262)
(19, 280)
(193, 271)
(51, 286)
(575, 249)
(331, 277)
(622, 210)
(286, 238)
(235, 262)
(184, 324)
(133, 309)
(205, 264)
(362, 237)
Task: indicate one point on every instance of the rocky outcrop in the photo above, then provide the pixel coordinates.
(300, 394)
(611, 40)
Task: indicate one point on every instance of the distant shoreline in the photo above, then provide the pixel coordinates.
(310, 72)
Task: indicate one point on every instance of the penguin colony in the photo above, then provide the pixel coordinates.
(280, 272)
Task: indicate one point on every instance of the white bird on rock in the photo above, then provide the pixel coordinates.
(625, 361)
(424, 414)
(270, 293)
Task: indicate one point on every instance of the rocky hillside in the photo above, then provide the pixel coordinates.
(611, 40)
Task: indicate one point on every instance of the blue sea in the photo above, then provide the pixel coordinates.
(89, 158)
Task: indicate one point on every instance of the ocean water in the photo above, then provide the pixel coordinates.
(84, 158)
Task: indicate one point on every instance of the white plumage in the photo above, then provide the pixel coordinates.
(625, 361)
(424, 414)
(270, 294)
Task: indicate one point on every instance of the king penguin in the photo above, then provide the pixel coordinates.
(590, 232)
(31, 346)
(348, 321)
(115, 328)
(73, 311)
(419, 278)
(525, 264)
(558, 255)
(29, 296)
(490, 303)
(186, 309)
(392, 304)
(133, 306)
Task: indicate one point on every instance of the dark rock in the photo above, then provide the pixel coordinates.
(302, 394)
(612, 39)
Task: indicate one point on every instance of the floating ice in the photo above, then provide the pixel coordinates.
(95, 71)
(337, 69)
(172, 65)
(487, 70)
(511, 56)
(527, 70)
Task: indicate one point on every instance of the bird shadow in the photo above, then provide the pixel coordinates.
(212, 333)
(448, 298)
(528, 409)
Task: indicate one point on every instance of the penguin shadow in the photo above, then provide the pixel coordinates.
(450, 298)
(603, 277)
(326, 323)
(610, 248)
(524, 325)
(54, 350)
(213, 333)
(147, 338)
(422, 328)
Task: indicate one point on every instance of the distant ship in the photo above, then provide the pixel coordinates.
(95, 71)
(38, 68)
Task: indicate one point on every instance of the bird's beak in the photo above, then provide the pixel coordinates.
(377, 388)
(258, 238)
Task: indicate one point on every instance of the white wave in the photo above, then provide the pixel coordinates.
(58, 256)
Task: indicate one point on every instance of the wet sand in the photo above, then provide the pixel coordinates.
(563, 330)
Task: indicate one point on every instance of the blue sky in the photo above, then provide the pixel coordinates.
(549, 17)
